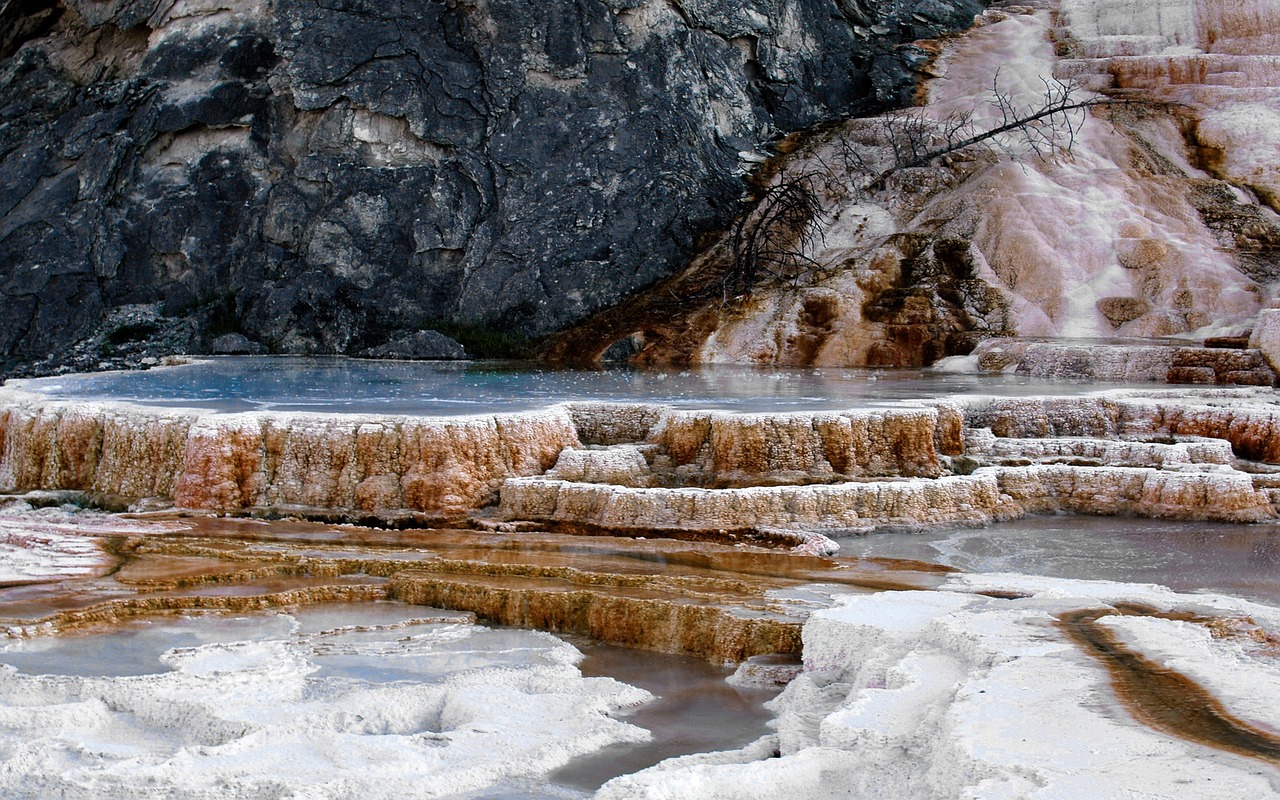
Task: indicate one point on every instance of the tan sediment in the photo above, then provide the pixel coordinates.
(622, 616)
(114, 612)
(708, 600)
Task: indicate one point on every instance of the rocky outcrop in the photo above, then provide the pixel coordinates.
(423, 345)
(328, 178)
(892, 261)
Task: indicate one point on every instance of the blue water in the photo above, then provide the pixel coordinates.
(449, 388)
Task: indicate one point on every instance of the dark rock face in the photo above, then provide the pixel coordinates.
(326, 177)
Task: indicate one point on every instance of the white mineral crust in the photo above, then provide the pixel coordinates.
(951, 694)
(259, 719)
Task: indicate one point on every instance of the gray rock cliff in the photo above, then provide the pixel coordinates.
(327, 177)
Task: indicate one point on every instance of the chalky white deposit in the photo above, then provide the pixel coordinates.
(50, 543)
(958, 695)
(312, 715)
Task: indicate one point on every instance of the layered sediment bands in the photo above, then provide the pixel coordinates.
(1096, 452)
(852, 505)
(629, 617)
(114, 612)
(717, 602)
(226, 462)
(1247, 419)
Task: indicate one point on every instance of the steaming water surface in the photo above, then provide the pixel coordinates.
(448, 388)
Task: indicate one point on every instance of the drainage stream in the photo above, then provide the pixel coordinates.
(1162, 698)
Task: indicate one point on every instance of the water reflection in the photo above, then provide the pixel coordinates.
(446, 388)
(1185, 556)
(694, 711)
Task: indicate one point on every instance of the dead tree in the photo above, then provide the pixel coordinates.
(774, 239)
(1047, 129)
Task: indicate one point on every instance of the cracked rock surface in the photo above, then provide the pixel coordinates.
(325, 178)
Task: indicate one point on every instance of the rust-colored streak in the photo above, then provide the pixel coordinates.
(1163, 698)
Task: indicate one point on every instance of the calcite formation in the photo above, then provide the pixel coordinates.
(235, 461)
(850, 506)
(652, 470)
(1051, 688)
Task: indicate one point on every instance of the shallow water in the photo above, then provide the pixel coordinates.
(362, 647)
(694, 711)
(449, 388)
(1242, 560)
(136, 648)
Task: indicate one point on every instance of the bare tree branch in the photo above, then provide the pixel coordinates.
(1048, 129)
(776, 238)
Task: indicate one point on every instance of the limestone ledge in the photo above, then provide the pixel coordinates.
(1191, 454)
(990, 494)
(227, 462)
(449, 465)
(1248, 419)
(853, 505)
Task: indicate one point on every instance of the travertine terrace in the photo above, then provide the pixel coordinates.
(714, 601)
(655, 470)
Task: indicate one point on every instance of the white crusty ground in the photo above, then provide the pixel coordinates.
(954, 695)
(255, 719)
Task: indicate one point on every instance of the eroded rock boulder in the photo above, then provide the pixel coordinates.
(420, 346)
